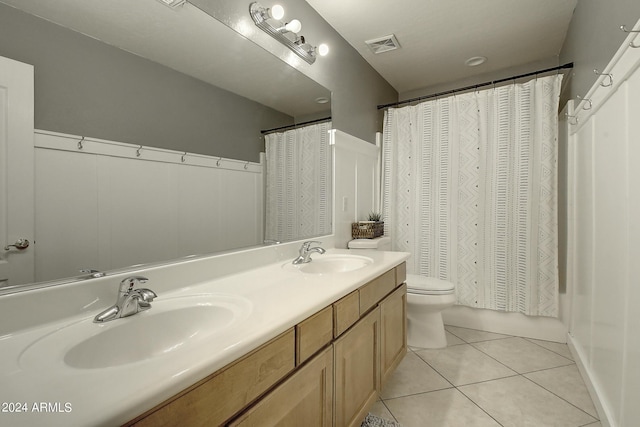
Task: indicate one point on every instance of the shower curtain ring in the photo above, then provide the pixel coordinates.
(624, 28)
(182, 159)
(569, 117)
(80, 146)
(138, 154)
(585, 99)
(598, 73)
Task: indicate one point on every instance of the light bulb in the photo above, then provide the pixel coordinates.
(294, 26)
(323, 49)
(277, 12)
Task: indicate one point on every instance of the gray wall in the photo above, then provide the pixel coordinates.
(482, 78)
(86, 87)
(356, 88)
(593, 38)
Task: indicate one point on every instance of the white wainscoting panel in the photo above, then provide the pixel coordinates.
(103, 207)
(66, 220)
(605, 234)
(356, 170)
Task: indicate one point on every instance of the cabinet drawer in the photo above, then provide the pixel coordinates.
(218, 397)
(313, 333)
(346, 312)
(375, 290)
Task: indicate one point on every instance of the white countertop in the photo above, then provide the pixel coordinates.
(279, 298)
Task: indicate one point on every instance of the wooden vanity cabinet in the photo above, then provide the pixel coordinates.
(325, 371)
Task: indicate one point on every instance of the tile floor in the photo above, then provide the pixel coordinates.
(487, 379)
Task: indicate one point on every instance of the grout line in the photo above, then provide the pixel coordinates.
(559, 354)
(546, 369)
(480, 407)
(435, 370)
(388, 409)
(417, 394)
(562, 398)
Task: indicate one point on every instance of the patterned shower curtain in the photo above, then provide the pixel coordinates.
(298, 183)
(469, 188)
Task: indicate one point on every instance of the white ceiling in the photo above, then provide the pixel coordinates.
(437, 36)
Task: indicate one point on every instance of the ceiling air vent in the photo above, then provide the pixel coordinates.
(383, 44)
(173, 3)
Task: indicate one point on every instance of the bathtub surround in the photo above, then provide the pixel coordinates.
(469, 188)
(603, 238)
(298, 183)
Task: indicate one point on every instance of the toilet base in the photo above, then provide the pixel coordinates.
(426, 330)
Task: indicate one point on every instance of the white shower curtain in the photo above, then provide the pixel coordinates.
(298, 183)
(469, 188)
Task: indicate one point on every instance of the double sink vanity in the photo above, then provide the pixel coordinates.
(269, 343)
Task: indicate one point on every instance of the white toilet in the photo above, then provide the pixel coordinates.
(426, 298)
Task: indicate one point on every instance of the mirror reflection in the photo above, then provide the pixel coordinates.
(243, 158)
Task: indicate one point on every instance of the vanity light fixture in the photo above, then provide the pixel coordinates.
(173, 3)
(269, 20)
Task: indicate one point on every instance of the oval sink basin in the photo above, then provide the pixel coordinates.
(170, 325)
(329, 264)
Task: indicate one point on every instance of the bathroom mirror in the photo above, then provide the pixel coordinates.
(227, 60)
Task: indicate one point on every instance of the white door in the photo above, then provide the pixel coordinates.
(16, 172)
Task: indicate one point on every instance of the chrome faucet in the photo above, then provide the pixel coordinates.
(130, 301)
(305, 252)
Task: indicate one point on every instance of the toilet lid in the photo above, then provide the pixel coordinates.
(428, 285)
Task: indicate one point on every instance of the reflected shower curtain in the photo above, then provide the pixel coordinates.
(469, 188)
(298, 183)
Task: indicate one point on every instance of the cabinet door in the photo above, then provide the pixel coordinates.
(305, 399)
(357, 370)
(393, 332)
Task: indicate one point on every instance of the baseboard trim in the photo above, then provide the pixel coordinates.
(604, 413)
(542, 328)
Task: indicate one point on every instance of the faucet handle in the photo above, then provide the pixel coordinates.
(93, 273)
(306, 245)
(127, 284)
(147, 295)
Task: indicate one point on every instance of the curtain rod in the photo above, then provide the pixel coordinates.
(324, 119)
(462, 89)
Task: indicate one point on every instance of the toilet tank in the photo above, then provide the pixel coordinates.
(379, 243)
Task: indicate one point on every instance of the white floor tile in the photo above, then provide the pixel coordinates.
(566, 383)
(413, 376)
(521, 355)
(561, 349)
(499, 380)
(464, 364)
(444, 408)
(517, 402)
